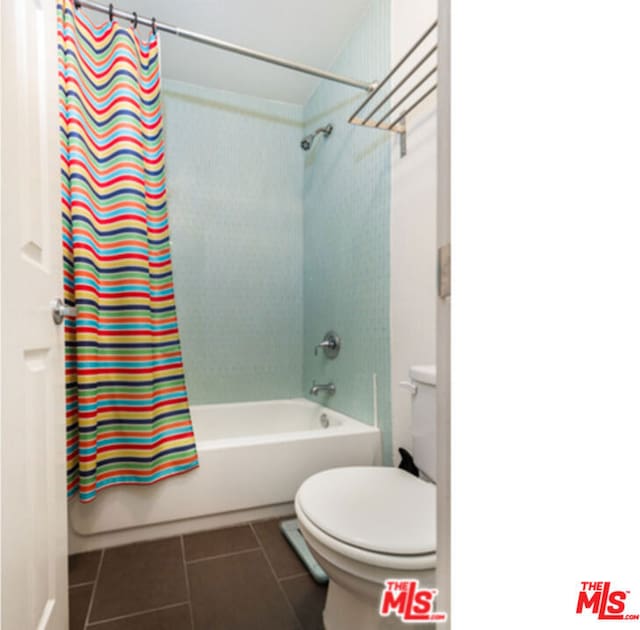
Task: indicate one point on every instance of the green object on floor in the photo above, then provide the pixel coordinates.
(293, 534)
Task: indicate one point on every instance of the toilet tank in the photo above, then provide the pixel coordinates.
(423, 418)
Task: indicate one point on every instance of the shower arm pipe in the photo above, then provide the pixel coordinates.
(218, 43)
(326, 130)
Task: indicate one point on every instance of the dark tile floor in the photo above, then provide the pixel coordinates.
(237, 578)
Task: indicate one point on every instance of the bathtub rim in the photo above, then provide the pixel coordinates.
(347, 424)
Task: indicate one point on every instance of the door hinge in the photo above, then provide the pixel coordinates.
(444, 271)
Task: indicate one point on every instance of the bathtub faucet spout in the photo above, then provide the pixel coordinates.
(330, 388)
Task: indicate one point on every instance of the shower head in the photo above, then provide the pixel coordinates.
(307, 141)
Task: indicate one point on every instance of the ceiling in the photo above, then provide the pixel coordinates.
(304, 31)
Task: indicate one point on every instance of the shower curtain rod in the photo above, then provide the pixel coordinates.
(218, 43)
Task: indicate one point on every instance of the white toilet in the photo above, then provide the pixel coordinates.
(366, 524)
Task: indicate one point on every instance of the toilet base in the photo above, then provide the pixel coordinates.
(357, 580)
(345, 610)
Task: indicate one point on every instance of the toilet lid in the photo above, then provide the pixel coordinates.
(385, 510)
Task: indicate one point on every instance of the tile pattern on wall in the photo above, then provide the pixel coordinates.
(257, 286)
(234, 178)
(347, 195)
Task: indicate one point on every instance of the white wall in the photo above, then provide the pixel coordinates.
(413, 223)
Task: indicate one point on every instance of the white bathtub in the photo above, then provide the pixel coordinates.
(253, 457)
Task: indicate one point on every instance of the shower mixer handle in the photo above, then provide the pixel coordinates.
(331, 344)
(323, 344)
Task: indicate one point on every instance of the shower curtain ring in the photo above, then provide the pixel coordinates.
(135, 20)
(77, 4)
(153, 25)
(111, 12)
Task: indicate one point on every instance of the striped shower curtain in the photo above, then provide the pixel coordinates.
(128, 416)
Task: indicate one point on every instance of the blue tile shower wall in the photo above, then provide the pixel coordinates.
(256, 285)
(234, 178)
(347, 200)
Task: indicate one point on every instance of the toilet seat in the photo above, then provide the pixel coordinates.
(379, 516)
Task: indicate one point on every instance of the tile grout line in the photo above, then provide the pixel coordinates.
(221, 555)
(293, 576)
(186, 579)
(93, 590)
(275, 577)
(94, 624)
(79, 584)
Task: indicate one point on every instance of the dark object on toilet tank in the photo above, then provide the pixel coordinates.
(407, 463)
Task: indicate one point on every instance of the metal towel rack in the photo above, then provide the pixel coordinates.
(400, 110)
